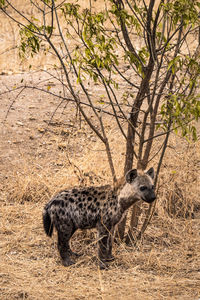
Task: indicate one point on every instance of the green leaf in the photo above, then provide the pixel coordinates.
(2, 3)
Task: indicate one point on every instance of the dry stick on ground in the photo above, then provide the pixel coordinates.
(12, 103)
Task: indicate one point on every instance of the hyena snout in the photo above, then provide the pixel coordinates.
(149, 196)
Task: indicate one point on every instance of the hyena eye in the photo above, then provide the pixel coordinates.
(143, 188)
(153, 187)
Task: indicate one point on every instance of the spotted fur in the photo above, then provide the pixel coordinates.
(95, 207)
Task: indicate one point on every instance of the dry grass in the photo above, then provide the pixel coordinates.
(31, 269)
(164, 265)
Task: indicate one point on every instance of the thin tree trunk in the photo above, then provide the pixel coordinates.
(132, 232)
(131, 133)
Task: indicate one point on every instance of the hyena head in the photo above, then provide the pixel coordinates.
(142, 184)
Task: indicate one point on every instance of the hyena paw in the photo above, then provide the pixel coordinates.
(67, 262)
(110, 258)
(103, 265)
(75, 254)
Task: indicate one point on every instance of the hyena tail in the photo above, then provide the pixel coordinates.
(47, 222)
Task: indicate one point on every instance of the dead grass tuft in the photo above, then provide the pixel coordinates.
(178, 186)
(28, 189)
(178, 205)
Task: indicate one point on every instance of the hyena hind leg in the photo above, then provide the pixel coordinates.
(63, 246)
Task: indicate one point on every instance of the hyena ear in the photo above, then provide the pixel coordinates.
(150, 172)
(131, 175)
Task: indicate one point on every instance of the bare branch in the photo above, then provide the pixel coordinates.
(12, 103)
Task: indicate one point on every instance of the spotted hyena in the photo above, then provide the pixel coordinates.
(95, 207)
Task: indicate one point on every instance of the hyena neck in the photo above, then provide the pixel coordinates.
(126, 197)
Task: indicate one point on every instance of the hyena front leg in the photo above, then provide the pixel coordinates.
(104, 246)
(110, 257)
(64, 236)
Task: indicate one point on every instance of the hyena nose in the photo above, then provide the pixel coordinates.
(152, 197)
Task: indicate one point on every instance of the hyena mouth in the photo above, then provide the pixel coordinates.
(149, 200)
